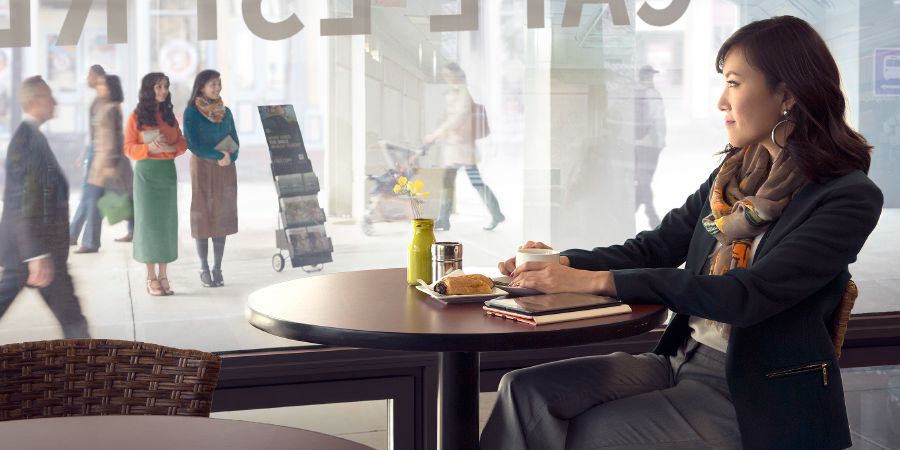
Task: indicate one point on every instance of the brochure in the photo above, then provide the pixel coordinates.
(227, 145)
(149, 136)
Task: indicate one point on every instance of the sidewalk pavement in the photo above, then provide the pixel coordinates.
(111, 285)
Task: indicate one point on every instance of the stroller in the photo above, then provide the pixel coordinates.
(383, 204)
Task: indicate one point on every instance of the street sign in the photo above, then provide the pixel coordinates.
(886, 77)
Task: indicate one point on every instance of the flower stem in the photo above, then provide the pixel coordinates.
(412, 205)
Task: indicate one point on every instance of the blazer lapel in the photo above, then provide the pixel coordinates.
(700, 251)
(797, 206)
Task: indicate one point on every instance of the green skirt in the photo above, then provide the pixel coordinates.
(155, 211)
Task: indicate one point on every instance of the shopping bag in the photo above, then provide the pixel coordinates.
(480, 127)
(115, 207)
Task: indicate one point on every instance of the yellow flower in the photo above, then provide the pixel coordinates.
(423, 194)
(402, 181)
(397, 188)
(416, 186)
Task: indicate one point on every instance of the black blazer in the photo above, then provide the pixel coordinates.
(781, 308)
(35, 219)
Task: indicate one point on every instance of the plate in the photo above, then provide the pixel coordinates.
(461, 298)
(501, 282)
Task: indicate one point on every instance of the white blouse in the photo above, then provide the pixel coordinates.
(716, 334)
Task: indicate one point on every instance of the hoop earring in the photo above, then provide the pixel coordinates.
(784, 114)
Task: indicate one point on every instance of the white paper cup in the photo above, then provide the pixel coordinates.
(537, 254)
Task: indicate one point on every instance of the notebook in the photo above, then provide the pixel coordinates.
(553, 308)
(227, 145)
(149, 136)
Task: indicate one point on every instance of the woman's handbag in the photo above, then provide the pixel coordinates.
(115, 207)
(480, 127)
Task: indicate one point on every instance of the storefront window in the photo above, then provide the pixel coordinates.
(558, 163)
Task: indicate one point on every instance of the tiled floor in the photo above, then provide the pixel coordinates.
(872, 395)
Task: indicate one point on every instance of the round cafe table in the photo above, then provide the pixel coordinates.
(377, 309)
(156, 432)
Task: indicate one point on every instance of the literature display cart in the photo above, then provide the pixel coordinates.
(301, 230)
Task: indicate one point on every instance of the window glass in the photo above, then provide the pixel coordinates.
(570, 134)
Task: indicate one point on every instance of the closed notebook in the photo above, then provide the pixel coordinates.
(149, 136)
(227, 145)
(553, 308)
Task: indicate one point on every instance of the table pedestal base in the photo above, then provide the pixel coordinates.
(458, 391)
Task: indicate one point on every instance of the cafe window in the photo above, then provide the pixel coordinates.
(559, 158)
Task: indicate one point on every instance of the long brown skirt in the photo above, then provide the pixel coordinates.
(214, 199)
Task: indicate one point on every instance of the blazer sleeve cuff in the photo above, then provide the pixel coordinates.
(633, 286)
(45, 255)
(584, 260)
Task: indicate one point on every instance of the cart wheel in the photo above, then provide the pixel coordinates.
(278, 262)
(315, 268)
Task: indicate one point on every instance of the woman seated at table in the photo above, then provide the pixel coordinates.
(767, 240)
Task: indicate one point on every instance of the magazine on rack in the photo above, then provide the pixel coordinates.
(296, 184)
(286, 166)
(282, 130)
(302, 210)
(309, 240)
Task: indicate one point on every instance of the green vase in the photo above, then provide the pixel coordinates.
(419, 263)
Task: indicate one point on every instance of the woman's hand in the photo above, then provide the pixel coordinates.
(553, 278)
(163, 143)
(506, 267)
(226, 160)
(154, 148)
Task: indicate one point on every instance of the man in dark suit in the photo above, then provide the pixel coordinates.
(34, 226)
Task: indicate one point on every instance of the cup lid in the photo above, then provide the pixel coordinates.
(446, 251)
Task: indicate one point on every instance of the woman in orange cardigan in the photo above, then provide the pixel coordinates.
(153, 138)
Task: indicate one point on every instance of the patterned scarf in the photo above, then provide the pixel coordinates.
(749, 192)
(214, 110)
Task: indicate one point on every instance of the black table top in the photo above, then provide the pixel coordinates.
(160, 432)
(377, 309)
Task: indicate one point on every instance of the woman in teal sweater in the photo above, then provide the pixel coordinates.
(212, 138)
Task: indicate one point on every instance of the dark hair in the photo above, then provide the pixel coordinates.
(202, 78)
(456, 70)
(97, 69)
(147, 107)
(788, 50)
(114, 84)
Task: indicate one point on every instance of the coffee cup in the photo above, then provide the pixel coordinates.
(544, 255)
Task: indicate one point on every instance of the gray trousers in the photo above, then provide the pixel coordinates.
(621, 401)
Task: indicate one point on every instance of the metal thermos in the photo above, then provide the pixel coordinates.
(447, 257)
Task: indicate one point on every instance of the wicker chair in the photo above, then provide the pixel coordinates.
(85, 377)
(842, 316)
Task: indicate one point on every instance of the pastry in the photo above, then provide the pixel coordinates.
(465, 285)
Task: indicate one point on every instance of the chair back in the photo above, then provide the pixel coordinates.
(84, 377)
(842, 316)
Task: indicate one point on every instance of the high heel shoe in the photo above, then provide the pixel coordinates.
(164, 284)
(154, 288)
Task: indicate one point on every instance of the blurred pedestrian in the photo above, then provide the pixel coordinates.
(649, 140)
(456, 137)
(34, 225)
(96, 80)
